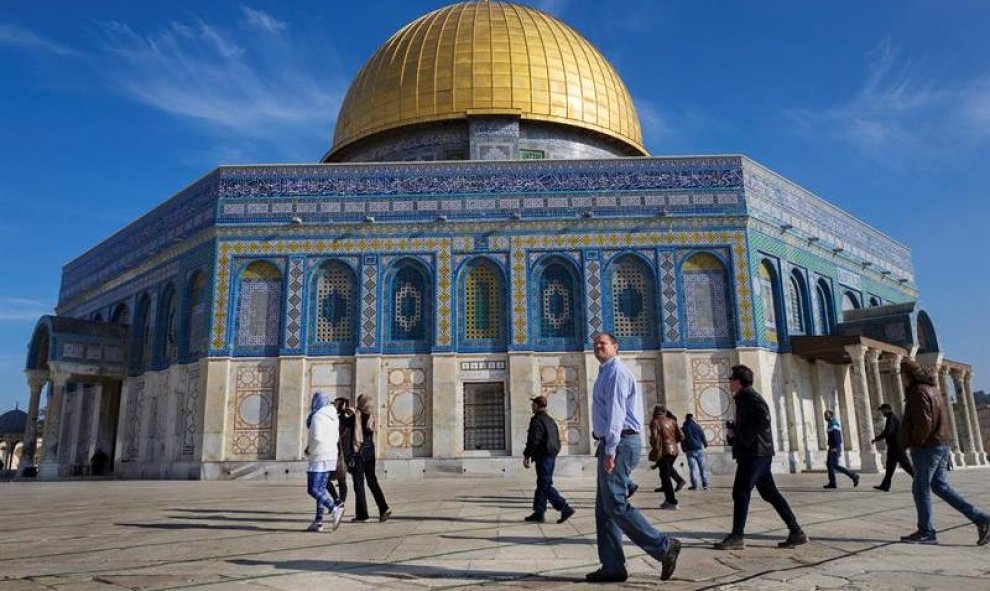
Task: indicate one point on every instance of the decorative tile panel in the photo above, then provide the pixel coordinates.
(669, 301)
(593, 293)
(560, 382)
(369, 297)
(294, 301)
(252, 412)
(408, 409)
(713, 403)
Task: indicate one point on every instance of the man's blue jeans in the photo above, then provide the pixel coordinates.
(545, 490)
(614, 515)
(931, 465)
(832, 463)
(696, 460)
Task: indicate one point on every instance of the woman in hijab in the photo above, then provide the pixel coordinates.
(362, 462)
(321, 450)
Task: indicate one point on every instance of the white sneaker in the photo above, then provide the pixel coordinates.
(336, 515)
(316, 526)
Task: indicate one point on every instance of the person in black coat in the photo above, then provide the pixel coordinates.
(895, 455)
(542, 447)
(752, 448)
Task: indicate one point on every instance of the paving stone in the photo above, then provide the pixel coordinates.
(464, 533)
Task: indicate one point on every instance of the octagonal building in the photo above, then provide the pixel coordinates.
(486, 207)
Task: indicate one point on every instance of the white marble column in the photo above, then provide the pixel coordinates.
(37, 379)
(967, 387)
(875, 380)
(868, 457)
(818, 398)
(967, 443)
(897, 396)
(48, 467)
(944, 385)
(789, 398)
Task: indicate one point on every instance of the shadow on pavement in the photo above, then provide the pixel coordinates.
(402, 571)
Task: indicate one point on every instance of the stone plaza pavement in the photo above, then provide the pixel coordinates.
(465, 533)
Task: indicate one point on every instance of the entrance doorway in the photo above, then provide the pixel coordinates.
(484, 416)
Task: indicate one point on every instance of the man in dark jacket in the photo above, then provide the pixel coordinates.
(895, 455)
(694, 445)
(542, 447)
(752, 447)
(925, 431)
(834, 430)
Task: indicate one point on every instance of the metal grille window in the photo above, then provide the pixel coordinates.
(259, 306)
(197, 316)
(408, 307)
(481, 303)
(557, 305)
(794, 306)
(336, 311)
(632, 297)
(484, 416)
(171, 328)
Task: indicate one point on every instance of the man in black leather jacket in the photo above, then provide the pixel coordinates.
(752, 448)
(542, 447)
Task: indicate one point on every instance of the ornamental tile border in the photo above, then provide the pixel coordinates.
(736, 240)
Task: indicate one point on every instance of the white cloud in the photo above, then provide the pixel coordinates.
(243, 88)
(263, 20)
(20, 37)
(655, 124)
(15, 309)
(898, 112)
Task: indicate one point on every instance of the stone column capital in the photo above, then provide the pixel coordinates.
(856, 352)
(873, 355)
(37, 378)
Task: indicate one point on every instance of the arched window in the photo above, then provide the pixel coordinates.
(632, 305)
(119, 315)
(559, 304)
(335, 307)
(706, 302)
(410, 304)
(796, 321)
(768, 297)
(142, 343)
(874, 301)
(849, 302)
(259, 307)
(169, 326)
(927, 340)
(826, 307)
(482, 304)
(97, 317)
(196, 321)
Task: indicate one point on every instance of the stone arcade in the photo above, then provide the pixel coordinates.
(487, 205)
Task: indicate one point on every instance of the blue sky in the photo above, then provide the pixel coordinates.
(882, 108)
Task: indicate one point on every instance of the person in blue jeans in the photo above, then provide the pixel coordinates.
(834, 451)
(617, 424)
(926, 432)
(694, 445)
(542, 447)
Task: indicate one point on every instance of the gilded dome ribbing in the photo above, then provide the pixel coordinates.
(497, 58)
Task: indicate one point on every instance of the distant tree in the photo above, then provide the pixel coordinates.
(982, 397)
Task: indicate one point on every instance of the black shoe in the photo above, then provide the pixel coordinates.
(600, 576)
(920, 538)
(385, 516)
(359, 519)
(855, 480)
(830, 485)
(983, 533)
(679, 486)
(731, 542)
(883, 488)
(535, 518)
(692, 488)
(565, 514)
(632, 490)
(658, 489)
(669, 561)
(795, 538)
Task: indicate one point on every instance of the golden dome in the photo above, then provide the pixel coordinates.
(487, 58)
